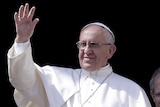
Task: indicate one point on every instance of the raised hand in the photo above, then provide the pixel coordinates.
(24, 23)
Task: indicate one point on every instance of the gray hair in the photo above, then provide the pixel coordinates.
(110, 35)
(151, 83)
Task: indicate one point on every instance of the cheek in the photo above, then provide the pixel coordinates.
(108, 54)
(80, 55)
(157, 101)
(103, 54)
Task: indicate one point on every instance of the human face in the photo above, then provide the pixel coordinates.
(90, 58)
(156, 94)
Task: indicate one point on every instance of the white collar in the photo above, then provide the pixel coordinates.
(104, 71)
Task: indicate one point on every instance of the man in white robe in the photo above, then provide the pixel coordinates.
(95, 84)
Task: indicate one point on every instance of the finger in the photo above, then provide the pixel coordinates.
(16, 17)
(31, 12)
(20, 12)
(26, 10)
(35, 21)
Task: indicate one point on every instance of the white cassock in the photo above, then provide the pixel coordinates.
(51, 86)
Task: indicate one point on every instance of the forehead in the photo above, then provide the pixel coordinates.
(93, 31)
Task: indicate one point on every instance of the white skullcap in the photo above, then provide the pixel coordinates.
(102, 25)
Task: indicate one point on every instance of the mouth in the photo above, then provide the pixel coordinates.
(88, 59)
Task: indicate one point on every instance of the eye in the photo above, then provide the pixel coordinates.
(83, 44)
(157, 94)
(94, 45)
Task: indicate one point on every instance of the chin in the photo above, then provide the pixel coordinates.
(89, 68)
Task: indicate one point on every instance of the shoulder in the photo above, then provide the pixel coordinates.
(123, 81)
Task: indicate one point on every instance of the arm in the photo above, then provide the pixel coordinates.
(23, 75)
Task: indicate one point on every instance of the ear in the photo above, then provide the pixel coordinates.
(112, 50)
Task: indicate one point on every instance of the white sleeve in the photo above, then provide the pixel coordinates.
(20, 47)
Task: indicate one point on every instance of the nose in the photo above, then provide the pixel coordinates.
(87, 49)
